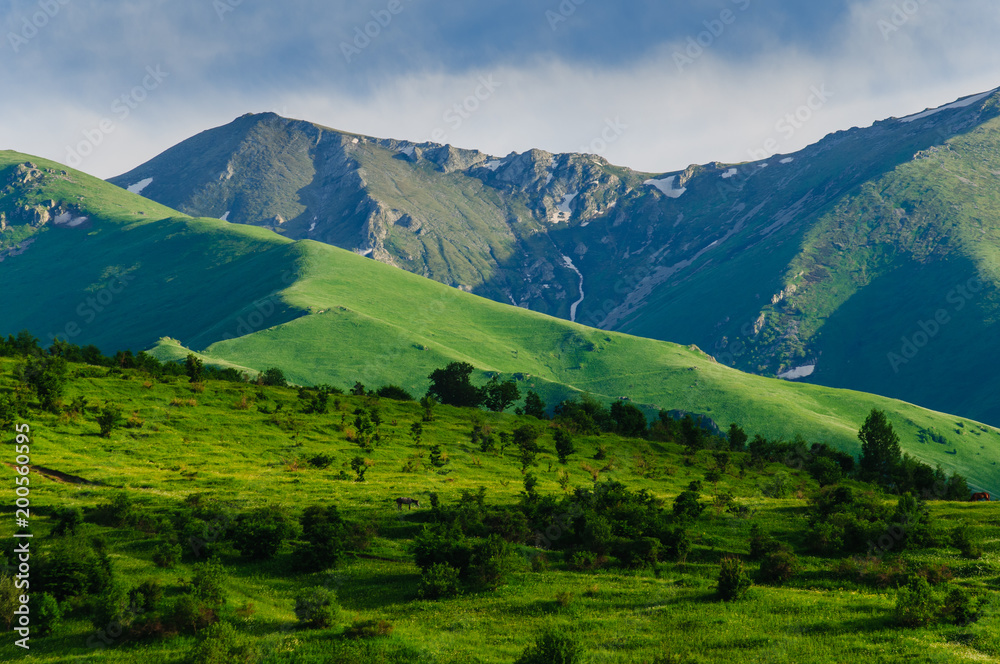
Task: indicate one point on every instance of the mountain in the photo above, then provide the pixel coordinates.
(868, 260)
(90, 262)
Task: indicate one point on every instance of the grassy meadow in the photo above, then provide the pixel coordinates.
(221, 449)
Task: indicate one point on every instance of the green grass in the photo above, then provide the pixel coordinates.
(242, 459)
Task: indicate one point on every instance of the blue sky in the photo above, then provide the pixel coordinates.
(680, 82)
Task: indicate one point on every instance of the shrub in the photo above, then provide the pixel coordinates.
(394, 392)
(961, 539)
(734, 582)
(45, 614)
(258, 535)
(67, 520)
(438, 581)
(916, 605)
(960, 607)
(325, 534)
(564, 445)
(167, 555)
(686, 505)
(274, 377)
(368, 629)
(188, 614)
(109, 419)
(207, 583)
(146, 596)
(552, 647)
(321, 461)
(779, 566)
(761, 543)
(492, 562)
(316, 608)
(72, 567)
(222, 644)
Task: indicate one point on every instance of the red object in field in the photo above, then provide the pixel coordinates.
(982, 495)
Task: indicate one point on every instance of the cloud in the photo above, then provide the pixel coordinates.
(556, 89)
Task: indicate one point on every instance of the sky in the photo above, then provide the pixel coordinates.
(105, 85)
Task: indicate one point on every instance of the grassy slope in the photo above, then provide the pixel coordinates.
(380, 325)
(200, 281)
(243, 460)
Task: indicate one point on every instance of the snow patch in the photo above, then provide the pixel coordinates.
(68, 220)
(573, 307)
(408, 150)
(563, 211)
(354, 140)
(730, 173)
(666, 186)
(312, 227)
(366, 252)
(493, 164)
(139, 186)
(787, 160)
(961, 103)
(225, 217)
(798, 372)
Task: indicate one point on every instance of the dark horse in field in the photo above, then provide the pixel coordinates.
(982, 495)
(409, 502)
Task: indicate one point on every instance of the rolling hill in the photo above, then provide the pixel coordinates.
(829, 265)
(85, 257)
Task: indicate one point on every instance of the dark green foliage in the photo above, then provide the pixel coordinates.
(442, 544)
(118, 511)
(13, 406)
(368, 629)
(452, 385)
(437, 457)
(734, 582)
(439, 581)
(585, 415)
(111, 607)
(258, 535)
(194, 368)
(146, 596)
(498, 397)
(273, 377)
(45, 614)
(72, 567)
(324, 538)
(534, 406)
(825, 471)
(526, 440)
(761, 543)
(692, 435)
(109, 419)
(207, 583)
(737, 438)
(961, 539)
(779, 565)
(628, 419)
(221, 643)
(46, 376)
(553, 647)
(916, 605)
(167, 554)
(564, 445)
(67, 521)
(880, 452)
(316, 608)
(428, 402)
(317, 404)
(686, 505)
(843, 520)
(960, 607)
(491, 563)
(360, 466)
(394, 392)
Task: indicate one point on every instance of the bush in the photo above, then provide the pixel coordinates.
(72, 567)
(368, 629)
(189, 615)
(222, 644)
(67, 520)
(325, 534)
(167, 555)
(961, 539)
(274, 377)
(258, 535)
(564, 445)
(492, 562)
(316, 608)
(146, 596)
(438, 581)
(734, 582)
(394, 392)
(761, 543)
(960, 607)
(916, 605)
(552, 647)
(109, 419)
(779, 566)
(207, 583)
(686, 505)
(45, 614)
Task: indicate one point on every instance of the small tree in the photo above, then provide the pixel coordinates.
(316, 608)
(916, 605)
(428, 403)
(534, 406)
(109, 419)
(564, 445)
(526, 440)
(194, 368)
(692, 435)
(274, 377)
(734, 582)
(553, 647)
(258, 535)
(498, 396)
(737, 438)
(628, 419)
(47, 377)
(880, 452)
(360, 466)
(452, 386)
(416, 432)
